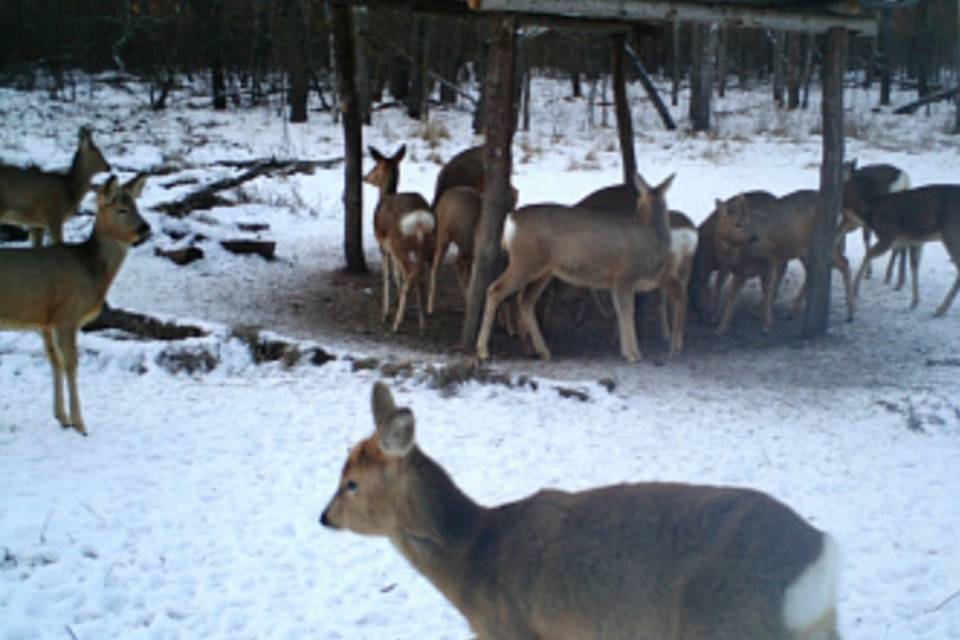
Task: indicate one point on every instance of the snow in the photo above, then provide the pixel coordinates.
(191, 509)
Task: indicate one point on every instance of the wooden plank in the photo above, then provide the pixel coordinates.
(765, 17)
(816, 319)
(499, 122)
(341, 20)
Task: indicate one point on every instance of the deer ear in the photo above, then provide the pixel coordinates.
(382, 402)
(720, 206)
(376, 155)
(400, 154)
(640, 184)
(396, 436)
(664, 186)
(109, 190)
(135, 185)
(85, 136)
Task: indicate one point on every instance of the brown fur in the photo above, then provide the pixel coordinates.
(462, 170)
(623, 562)
(586, 248)
(58, 289)
(406, 255)
(43, 200)
(782, 229)
(458, 213)
(911, 218)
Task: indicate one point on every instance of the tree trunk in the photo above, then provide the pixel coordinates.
(415, 100)
(479, 112)
(794, 70)
(956, 77)
(295, 46)
(363, 71)
(811, 42)
(675, 89)
(883, 57)
(497, 163)
(624, 119)
(701, 76)
(341, 18)
(778, 79)
(575, 84)
(816, 319)
(723, 44)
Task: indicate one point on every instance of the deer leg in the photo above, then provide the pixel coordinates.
(507, 284)
(866, 249)
(769, 283)
(663, 313)
(843, 265)
(36, 237)
(902, 270)
(56, 364)
(624, 303)
(891, 264)
(914, 253)
(66, 341)
(730, 302)
(385, 266)
(677, 294)
(56, 233)
(438, 255)
(876, 250)
(527, 302)
(406, 277)
(945, 305)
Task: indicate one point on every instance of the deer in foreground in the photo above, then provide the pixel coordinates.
(863, 185)
(593, 249)
(404, 227)
(911, 218)
(41, 200)
(783, 230)
(58, 289)
(683, 246)
(660, 561)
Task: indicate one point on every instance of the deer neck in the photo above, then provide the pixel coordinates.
(389, 185)
(105, 255)
(437, 526)
(661, 228)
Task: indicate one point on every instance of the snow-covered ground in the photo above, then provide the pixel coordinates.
(191, 509)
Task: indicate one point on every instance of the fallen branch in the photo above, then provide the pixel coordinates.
(912, 107)
(142, 326)
(207, 196)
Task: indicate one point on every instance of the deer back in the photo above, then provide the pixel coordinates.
(464, 170)
(458, 213)
(614, 563)
(921, 214)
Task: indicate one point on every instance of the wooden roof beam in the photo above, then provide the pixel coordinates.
(660, 10)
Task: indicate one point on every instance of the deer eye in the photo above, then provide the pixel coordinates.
(351, 486)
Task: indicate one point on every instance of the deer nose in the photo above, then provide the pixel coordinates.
(324, 520)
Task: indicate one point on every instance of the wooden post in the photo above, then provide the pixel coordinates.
(341, 19)
(816, 317)
(624, 119)
(499, 122)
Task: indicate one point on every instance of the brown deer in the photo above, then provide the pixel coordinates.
(58, 289)
(42, 200)
(718, 238)
(458, 212)
(862, 186)
(622, 562)
(585, 248)
(783, 230)
(404, 227)
(683, 246)
(911, 218)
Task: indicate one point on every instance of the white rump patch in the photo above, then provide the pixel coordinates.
(902, 183)
(509, 231)
(814, 593)
(683, 242)
(416, 223)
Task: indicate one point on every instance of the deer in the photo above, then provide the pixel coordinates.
(783, 230)
(60, 288)
(909, 219)
(862, 186)
(594, 249)
(719, 237)
(44, 200)
(683, 246)
(648, 560)
(403, 225)
(458, 212)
